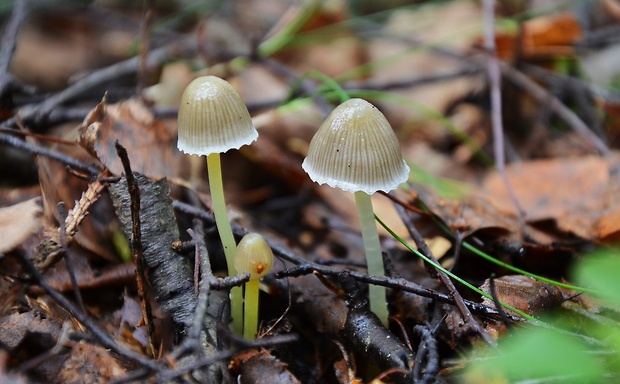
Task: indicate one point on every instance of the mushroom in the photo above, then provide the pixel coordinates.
(254, 256)
(356, 150)
(212, 120)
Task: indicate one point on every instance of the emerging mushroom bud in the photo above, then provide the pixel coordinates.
(253, 256)
(213, 118)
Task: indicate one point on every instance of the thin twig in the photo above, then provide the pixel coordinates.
(62, 216)
(497, 302)
(9, 42)
(145, 39)
(169, 375)
(200, 311)
(305, 267)
(497, 125)
(543, 96)
(136, 247)
(36, 149)
(417, 237)
(536, 91)
(40, 137)
(291, 77)
(92, 178)
(39, 112)
(98, 334)
(62, 345)
(427, 351)
(50, 249)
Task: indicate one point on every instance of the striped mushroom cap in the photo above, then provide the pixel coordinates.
(355, 149)
(213, 118)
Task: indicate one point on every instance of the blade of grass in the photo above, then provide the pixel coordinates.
(444, 187)
(502, 264)
(327, 84)
(450, 274)
(284, 37)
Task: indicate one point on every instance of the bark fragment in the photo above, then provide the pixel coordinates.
(170, 275)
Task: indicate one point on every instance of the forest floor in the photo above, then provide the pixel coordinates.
(499, 249)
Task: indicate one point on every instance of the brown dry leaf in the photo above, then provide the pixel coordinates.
(282, 144)
(398, 58)
(59, 185)
(572, 191)
(18, 222)
(172, 82)
(542, 37)
(545, 33)
(53, 47)
(258, 366)
(258, 85)
(333, 55)
(89, 363)
(523, 293)
(609, 227)
(471, 214)
(17, 326)
(150, 143)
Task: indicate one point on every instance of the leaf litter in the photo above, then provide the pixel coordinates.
(316, 324)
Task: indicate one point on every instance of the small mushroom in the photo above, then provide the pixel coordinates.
(212, 120)
(356, 150)
(254, 256)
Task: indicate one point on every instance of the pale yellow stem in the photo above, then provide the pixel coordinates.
(228, 241)
(250, 322)
(372, 246)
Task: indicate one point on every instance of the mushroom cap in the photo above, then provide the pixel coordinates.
(254, 256)
(355, 149)
(213, 118)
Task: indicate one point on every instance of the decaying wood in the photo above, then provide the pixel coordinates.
(471, 323)
(136, 248)
(363, 331)
(170, 275)
(354, 326)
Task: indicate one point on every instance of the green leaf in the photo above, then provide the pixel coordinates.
(600, 270)
(537, 354)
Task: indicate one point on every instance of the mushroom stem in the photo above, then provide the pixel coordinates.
(374, 260)
(228, 241)
(250, 321)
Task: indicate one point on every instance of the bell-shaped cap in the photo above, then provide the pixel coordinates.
(213, 118)
(355, 149)
(254, 256)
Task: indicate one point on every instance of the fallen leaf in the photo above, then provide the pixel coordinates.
(259, 366)
(88, 363)
(571, 191)
(333, 55)
(523, 293)
(541, 37)
(172, 82)
(609, 227)
(17, 326)
(18, 222)
(150, 143)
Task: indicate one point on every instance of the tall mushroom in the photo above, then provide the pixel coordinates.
(212, 120)
(356, 150)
